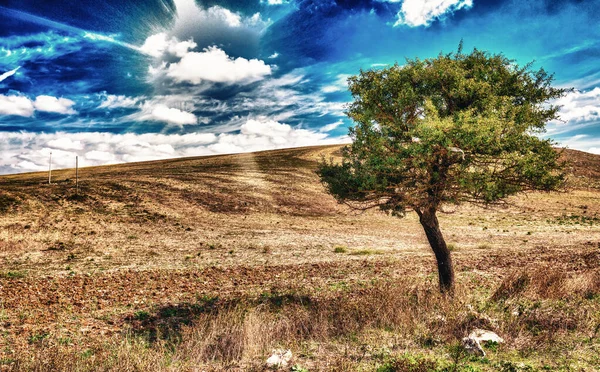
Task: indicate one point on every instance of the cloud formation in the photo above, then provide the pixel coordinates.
(182, 62)
(16, 105)
(21, 105)
(422, 12)
(580, 106)
(55, 105)
(214, 65)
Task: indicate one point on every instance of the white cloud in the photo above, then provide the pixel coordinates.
(9, 73)
(583, 142)
(580, 106)
(214, 65)
(161, 112)
(274, 55)
(594, 150)
(114, 101)
(422, 12)
(53, 104)
(332, 126)
(100, 156)
(30, 151)
(190, 16)
(207, 32)
(16, 105)
(159, 44)
(65, 143)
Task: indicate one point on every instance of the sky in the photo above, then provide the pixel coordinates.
(132, 80)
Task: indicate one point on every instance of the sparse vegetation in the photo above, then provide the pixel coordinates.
(141, 305)
(340, 249)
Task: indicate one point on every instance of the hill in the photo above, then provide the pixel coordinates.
(211, 262)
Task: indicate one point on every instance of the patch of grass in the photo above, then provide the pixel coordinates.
(13, 274)
(574, 219)
(141, 315)
(340, 249)
(365, 252)
(37, 337)
(451, 247)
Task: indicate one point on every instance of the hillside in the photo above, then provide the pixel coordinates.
(211, 262)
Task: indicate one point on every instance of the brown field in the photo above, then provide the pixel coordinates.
(211, 263)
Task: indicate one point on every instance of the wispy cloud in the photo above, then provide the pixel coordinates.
(165, 114)
(9, 73)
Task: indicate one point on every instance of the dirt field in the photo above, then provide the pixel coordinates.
(210, 263)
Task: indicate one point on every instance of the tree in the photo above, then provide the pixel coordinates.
(444, 131)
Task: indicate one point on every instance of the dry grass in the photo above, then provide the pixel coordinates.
(210, 263)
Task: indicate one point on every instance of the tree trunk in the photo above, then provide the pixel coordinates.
(436, 240)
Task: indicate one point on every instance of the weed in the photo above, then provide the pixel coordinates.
(38, 337)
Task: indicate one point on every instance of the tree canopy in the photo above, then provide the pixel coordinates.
(447, 130)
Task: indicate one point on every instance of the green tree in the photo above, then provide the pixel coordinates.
(448, 130)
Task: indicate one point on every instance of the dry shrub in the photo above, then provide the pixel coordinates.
(410, 365)
(239, 335)
(511, 286)
(548, 283)
(241, 332)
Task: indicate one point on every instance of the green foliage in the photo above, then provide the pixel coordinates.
(141, 315)
(340, 249)
(452, 129)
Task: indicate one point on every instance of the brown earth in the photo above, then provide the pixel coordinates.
(80, 270)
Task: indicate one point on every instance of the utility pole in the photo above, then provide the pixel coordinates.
(77, 175)
(50, 170)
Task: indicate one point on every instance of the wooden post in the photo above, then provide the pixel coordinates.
(76, 175)
(50, 170)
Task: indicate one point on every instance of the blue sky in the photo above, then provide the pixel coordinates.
(122, 80)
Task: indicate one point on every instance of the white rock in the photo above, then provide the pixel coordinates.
(481, 335)
(279, 358)
(472, 343)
